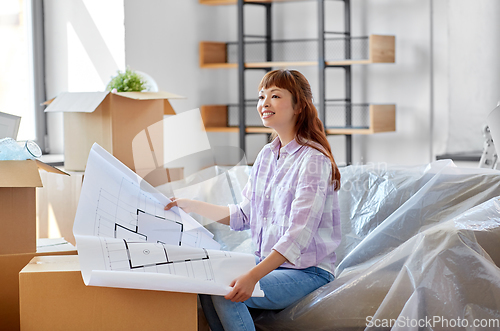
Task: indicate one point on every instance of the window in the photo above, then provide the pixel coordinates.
(20, 31)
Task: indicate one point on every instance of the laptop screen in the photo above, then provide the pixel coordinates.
(9, 125)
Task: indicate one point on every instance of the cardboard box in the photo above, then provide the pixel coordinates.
(174, 174)
(10, 266)
(18, 180)
(112, 120)
(162, 176)
(54, 297)
(56, 204)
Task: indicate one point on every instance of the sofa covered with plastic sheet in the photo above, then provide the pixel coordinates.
(420, 248)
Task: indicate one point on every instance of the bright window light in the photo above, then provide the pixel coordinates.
(16, 88)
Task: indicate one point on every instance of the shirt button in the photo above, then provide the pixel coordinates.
(267, 196)
(265, 218)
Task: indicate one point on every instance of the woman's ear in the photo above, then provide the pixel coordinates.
(296, 109)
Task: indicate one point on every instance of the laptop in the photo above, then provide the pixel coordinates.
(9, 125)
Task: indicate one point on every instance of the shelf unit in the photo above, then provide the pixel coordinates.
(233, 2)
(216, 55)
(380, 118)
(262, 52)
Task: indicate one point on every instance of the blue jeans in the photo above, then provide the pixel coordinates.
(281, 287)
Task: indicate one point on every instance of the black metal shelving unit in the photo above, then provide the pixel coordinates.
(331, 49)
(347, 68)
(322, 66)
(241, 61)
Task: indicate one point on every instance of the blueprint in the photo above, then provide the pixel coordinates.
(126, 239)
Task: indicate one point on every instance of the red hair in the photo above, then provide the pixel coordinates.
(308, 126)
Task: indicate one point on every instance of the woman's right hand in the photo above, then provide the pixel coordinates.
(213, 212)
(184, 204)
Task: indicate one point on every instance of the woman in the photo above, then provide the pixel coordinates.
(290, 204)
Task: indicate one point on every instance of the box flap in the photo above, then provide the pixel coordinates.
(149, 95)
(24, 173)
(83, 102)
(49, 168)
(51, 263)
(48, 102)
(167, 108)
(19, 174)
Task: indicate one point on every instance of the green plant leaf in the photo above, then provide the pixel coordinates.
(127, 81)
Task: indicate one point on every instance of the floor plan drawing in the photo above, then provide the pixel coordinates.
(130, 214)
(126, 239)
(166, 231)
(126, 255)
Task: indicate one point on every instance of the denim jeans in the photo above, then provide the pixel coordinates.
(281, 287)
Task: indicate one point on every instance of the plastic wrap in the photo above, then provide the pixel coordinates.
(420, 249)
(418, 253)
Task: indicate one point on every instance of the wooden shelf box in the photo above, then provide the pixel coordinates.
(380, 118)
(214, 116)
(233, 2)
(364, 50)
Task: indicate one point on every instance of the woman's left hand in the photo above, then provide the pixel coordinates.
(243, 287)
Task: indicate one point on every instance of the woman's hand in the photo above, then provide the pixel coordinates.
(243, 287)
(184, 204)
(208, 210)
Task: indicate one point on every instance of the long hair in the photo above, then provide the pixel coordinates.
(308, 126)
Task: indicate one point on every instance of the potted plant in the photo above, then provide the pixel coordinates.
(127, 81)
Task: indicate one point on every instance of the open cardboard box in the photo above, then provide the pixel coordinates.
(112, 120)
(11, 265)
(18, 183)
(56, 204)
(54, 297)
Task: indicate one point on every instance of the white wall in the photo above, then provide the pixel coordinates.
(474, 70)
(84, 47)
(440, 77)
(404, 83)
(161, 39)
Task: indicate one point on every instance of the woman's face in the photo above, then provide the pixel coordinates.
(276, 109)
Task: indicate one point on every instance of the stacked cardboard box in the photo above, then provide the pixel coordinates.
(54, 297)
(10, 266)
(18, 244)
(18, 183)
(56, 204)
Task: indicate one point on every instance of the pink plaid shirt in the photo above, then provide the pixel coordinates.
(290, 205)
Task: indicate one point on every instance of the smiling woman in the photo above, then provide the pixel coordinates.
(290, 205)
(306, 128)
(277, 111)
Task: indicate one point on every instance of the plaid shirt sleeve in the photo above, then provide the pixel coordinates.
(239, 214)
(239, 218)
(306, 209)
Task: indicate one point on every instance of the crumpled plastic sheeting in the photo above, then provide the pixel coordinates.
(395, 203)
(419, 243)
